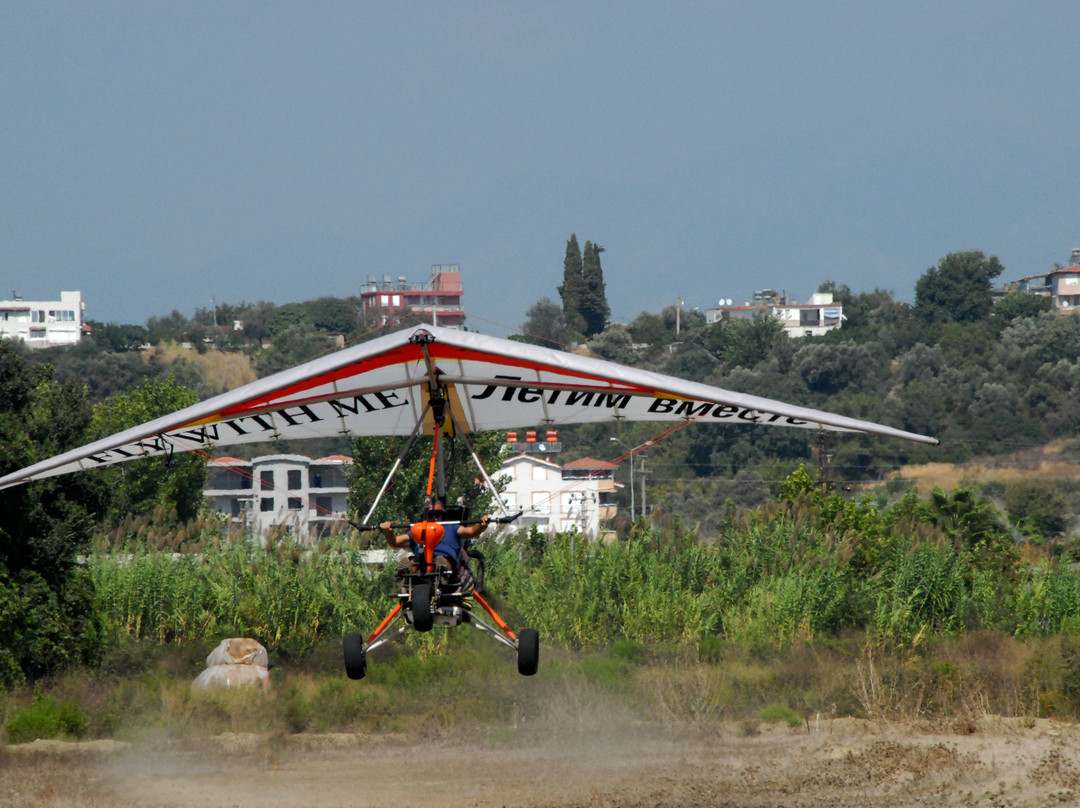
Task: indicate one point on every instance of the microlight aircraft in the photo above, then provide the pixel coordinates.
(430, 380)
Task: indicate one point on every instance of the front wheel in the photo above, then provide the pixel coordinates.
(422, 619)
(528, 651)
(355, 656)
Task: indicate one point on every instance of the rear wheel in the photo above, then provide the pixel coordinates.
(528, 651)
(422, 619)
(355, 656)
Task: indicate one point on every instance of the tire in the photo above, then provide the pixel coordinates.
(481, 568)
(528, 651)
(355, 656)
(422, 619)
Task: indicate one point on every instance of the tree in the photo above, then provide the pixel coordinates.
(173, 328)
(594, 307)
(545, 325)
(1019, 305)
(1038, 508)
(744, 343)
(572, 291)
(958, 289)
(141, 486)
(45, 619)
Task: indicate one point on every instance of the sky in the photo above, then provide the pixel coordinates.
(161, 156)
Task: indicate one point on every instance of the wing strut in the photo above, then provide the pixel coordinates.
(397, 463)
(479, 465)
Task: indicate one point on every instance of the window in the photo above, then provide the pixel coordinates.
(295, 503)
(324, 505)
(266, 504)
(294, 479)
(266, 480)
(509, 501)
(541, 502)
(539, 473)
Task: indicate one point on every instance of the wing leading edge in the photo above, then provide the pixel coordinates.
(382, 387)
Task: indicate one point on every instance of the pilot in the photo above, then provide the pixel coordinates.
(448, 552)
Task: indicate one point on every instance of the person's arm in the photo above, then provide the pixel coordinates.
(400, 541)
(472, 531)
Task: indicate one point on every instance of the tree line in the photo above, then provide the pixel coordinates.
(985, 375)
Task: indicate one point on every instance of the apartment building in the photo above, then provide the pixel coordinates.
(43, 323)
(306, 498)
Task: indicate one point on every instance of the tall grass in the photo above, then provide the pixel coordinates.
(286, 595)
(797, 571)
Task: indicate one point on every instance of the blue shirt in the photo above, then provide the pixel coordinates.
(449, 547)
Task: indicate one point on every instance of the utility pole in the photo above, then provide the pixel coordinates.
(643, 505)
(631, 453)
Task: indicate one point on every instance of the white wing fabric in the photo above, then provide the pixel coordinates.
(383, 387)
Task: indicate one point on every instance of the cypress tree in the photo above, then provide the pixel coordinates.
(594, 307)
(572, 290)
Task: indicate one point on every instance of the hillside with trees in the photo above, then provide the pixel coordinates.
(990, 376)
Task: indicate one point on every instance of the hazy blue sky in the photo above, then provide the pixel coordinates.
(157, 155)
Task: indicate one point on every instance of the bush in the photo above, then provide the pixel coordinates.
(47, 718)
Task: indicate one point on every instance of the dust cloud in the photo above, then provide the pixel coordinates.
(575, 754)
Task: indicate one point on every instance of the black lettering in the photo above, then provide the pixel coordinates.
(294, 417)
(259, 421)
(528, 395)
(156, 445)
(576, 396)
(662, 405)
(204, 434)
(613, 401)
(340, 407)
(749, 415)
(388, 404)
(508, 393)
(725, 411)
(691, 409)
(235, 427)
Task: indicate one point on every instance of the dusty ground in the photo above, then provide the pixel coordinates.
(843, 763)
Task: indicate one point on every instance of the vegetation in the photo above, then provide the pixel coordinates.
(752, 591)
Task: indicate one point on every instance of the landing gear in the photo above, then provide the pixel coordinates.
(528, 651)
(422, 619)
(355, 656)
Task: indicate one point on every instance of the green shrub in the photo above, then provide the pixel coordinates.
(775, 713)
(47, 718)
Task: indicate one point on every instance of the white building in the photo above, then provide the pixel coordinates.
(554, 498)
(43, 323)
(820, 316)
(306, 497)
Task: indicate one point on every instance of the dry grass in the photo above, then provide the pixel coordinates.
(1054, 461)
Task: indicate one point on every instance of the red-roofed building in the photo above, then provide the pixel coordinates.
(1062, 286)
(577, 496)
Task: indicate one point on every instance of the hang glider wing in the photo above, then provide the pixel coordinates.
(391, 385)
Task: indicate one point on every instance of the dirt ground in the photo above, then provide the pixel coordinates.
(846, 762)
